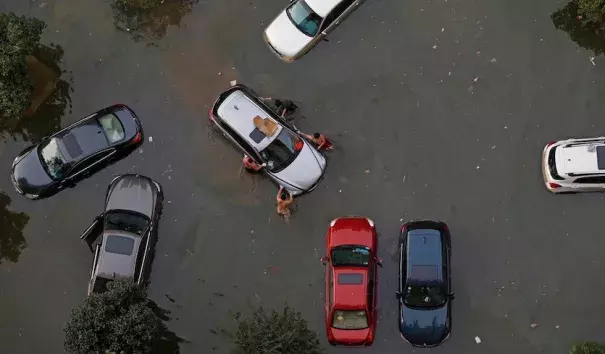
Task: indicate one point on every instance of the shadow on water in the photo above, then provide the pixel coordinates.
(168, 341)
(12, 241)
(150, 24)
(50, 99)
(586, 34)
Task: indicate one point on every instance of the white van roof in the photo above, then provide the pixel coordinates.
(238, 111)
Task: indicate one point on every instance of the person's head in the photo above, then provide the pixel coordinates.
(284, 195)
(316, 135)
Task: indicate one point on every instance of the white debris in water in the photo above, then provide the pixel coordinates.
(151, 139)
(493, 60)
(592, 61)
(477, 340)
(233, 82)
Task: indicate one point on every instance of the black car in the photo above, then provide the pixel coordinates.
(77, 151)
(129, 224)
(425, 290)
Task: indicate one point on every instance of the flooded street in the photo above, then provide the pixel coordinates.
(438, 109)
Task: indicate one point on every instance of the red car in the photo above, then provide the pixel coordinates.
(351, 282)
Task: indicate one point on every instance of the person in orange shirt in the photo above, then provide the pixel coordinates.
(251, 165)
(284, 201)
(320, 141)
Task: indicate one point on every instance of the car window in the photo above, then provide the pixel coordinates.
(330, 287)
(119, 244)
(89, 161)
(55, 163)
(423, 295)
(282, 150)
(350, 256)
(355, 319)
(120, 221)
(305, 19)
(589, 180)
(113, 128)
(335, 13)
(371, 283)
(140, 255)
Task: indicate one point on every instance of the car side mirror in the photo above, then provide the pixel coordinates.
(325, 260)
(378, 261)
(398, 295)
(452, 296)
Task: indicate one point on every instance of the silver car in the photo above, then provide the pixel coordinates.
(287, 158)
(303, 24)
(133, 205)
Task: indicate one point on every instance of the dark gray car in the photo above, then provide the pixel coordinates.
(128, 226)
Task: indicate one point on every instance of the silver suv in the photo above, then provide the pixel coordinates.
(574, 165)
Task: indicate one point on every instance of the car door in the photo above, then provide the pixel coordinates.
(89, 165)
(335, 17)
(142, 259)
(93, 272)
(590, 184)
(372, 290)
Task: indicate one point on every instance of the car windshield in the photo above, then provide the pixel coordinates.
(120, 221)
(355, 319)
(113, 128)
(417, 295)
(350, 256)
(282, 150)
(54, 161)
(304, 18)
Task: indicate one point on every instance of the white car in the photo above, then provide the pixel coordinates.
(285, 156)
(304, 23)
(574, 165)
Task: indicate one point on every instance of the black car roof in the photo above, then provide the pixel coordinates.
(424, 254)
(84, 140)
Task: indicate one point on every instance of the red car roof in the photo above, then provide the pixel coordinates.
(351, 231)
(350, 296)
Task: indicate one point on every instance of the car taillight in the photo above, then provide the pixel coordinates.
(298, 145)
(551, 143)
(137, 138)
(554, 185)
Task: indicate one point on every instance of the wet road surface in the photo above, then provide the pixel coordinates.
(438, 109)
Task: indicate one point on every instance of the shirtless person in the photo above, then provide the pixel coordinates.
(284, 201)
(319, 140)
(250, 165)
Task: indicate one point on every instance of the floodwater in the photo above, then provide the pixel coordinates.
(438, 109)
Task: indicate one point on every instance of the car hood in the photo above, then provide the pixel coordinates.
(284, 37)
(134, 193)
(305, 170)
(29, 174)
(424, 327)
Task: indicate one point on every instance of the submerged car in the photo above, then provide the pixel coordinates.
(425, 290)
(303, 24)
(128, 225)
(574, 165)
(76, 152)
(269, 140)
(351, 281)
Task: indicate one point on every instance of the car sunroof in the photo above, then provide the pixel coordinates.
(350, 278)
(601, 157)
(257, 136)
(73, 148)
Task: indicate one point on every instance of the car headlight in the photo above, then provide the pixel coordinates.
(31, 196)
